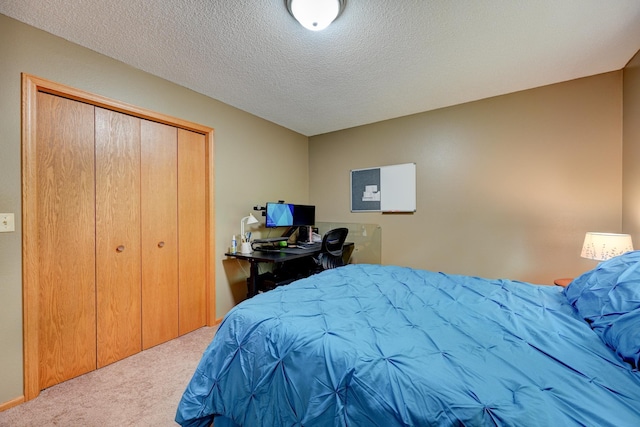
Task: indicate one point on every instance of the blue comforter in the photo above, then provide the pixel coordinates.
(368, 345)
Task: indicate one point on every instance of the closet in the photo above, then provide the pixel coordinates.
(117, 230)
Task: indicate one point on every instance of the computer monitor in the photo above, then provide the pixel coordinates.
(289, 215)
(279, 215)
(304, 215)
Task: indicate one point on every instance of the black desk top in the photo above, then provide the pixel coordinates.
(271, 256)
(277, 255)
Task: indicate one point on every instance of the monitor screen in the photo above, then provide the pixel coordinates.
(304, 215)
(279, 214)
(289, 215)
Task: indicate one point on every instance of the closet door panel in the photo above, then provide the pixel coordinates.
(159, 219)
(66, 239)
(192, 252)
(118, 270)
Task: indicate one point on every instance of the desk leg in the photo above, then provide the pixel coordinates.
(253, 280)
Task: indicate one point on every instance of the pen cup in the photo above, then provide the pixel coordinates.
(245, 248)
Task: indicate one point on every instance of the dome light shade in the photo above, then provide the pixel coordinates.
(315, 15)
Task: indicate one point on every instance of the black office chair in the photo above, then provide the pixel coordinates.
(331, 251)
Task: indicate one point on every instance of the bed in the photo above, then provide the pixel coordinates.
(370, 345)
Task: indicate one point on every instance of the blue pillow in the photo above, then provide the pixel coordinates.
(608, 298)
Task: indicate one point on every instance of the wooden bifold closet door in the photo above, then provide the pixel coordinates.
(66, 239)
(121, 235)
(159, 233)
(192, 251)
(118, 258)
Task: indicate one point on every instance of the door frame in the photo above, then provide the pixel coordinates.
(31, 85)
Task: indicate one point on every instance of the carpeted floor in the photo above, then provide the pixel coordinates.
(141, 390)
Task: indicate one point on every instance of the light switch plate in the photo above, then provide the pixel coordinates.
(7, 223)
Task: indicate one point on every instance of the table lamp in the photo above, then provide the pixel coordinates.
(245, 246)
(602, 246)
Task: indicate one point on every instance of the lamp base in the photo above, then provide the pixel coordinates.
(245, 248)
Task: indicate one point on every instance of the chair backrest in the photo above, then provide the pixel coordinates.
(332, 244)
(333, 241)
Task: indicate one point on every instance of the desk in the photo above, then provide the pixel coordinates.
(257, 256)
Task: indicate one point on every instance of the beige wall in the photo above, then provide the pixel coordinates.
(506, 187)
(243, 143)
(631, 150)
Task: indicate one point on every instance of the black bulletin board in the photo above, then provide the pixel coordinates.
(384, 189)
(360, 180)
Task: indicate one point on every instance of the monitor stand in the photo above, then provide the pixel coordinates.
(305, 235)
(289, 232)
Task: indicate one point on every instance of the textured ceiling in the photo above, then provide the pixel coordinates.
(379, 60)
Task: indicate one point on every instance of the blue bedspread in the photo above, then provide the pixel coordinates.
(368, 345)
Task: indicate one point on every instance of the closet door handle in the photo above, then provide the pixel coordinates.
(161, 244)
(120, 248)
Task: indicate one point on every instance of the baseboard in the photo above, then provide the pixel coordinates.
(11, 403)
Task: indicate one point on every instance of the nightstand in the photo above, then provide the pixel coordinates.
(563, 282)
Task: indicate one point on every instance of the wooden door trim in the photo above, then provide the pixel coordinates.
(31, 85)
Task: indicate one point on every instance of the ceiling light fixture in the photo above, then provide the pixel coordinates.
(315, 15)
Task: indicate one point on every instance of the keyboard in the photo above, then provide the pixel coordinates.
(266, 249)
(271, 240)
(289, 250)
(314, 245)
(299, 250)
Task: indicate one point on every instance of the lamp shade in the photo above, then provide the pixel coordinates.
(602, 246)
(315, 15)
(251, 219)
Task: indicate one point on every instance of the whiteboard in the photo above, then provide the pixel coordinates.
(384, 189)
